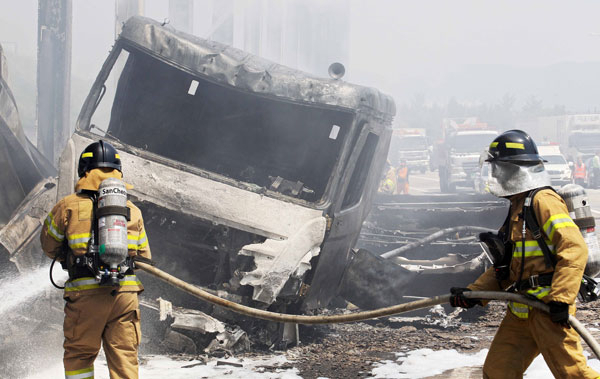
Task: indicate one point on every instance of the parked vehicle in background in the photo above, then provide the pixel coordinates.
(556, 165)
(577, 134)
(582, 135)
(457, 155)
(412, 146)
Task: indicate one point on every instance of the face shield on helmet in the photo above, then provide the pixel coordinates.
(515, 164)
(509, 179)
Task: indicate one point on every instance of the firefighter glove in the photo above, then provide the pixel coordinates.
(458, 299)
(559, 312)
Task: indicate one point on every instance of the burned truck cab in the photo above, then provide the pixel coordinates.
(254, 178)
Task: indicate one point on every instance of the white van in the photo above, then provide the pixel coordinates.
(557, 166)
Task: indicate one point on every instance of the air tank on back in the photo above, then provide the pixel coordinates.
(579, 209)
(112, 225)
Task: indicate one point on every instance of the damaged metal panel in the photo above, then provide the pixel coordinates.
(21, 164)
(418, 213)
(160, 182)
(277, 261)
(227, 65)
(20, 236)
(294, 233)
(196, 321)
(429, 268)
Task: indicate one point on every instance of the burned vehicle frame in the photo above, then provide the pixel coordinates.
(254, 178)
(23, 167)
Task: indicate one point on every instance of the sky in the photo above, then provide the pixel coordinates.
(393, 35)
(441, 33)
(418, 46)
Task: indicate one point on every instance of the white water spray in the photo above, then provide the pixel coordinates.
(20, 289)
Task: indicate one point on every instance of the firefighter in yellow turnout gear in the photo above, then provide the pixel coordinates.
(96, 313)
(525, 332)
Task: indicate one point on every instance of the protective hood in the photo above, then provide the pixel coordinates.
(92, 179)
(509, 179)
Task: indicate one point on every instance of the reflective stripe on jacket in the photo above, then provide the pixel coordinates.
(522, 310)
(71, 220)
(564, 240)
(89, 283)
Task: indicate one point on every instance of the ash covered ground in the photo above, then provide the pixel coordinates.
(356, 349)
(373, 348)
(453, 345)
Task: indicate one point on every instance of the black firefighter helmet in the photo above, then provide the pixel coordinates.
(514, 146)
(97, 155)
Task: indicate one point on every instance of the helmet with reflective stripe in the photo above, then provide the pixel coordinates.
(514, 146)
(96, 155)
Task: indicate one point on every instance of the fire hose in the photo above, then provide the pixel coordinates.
(364, 315)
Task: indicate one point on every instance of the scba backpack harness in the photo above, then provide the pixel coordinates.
(107, 258)
(501, 247)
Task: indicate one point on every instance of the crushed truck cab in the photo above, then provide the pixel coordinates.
(253, 178)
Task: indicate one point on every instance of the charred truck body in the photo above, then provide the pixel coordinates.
(21, 164)
(22, 168)
(254, 178)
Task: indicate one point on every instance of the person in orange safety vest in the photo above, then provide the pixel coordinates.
(96, 313)
(396, 180)
(579, 172)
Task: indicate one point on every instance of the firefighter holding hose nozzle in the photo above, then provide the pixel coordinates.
(539, 252)
(95, 233)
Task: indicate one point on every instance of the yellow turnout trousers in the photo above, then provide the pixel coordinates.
(92, 319)
(518, 341)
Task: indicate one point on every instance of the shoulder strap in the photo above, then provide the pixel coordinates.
(532, 224)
